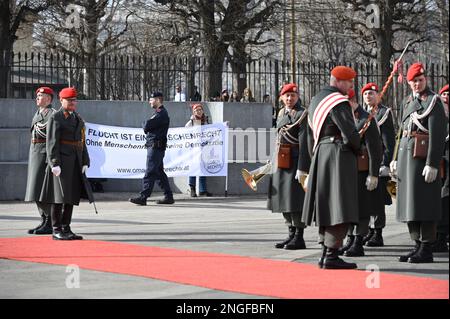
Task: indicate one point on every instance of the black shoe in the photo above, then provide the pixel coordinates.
(44, 230)
(166, 201)
(297, 242)
(357, 249)
(207, 194)
(369, 235)
(348, 244)
(405, 258)
(423, 255)
(68, 232)
(43, 220)
(291, 234)
(60, 236)
(377, 239)
(193, 192)
(332, 261)
(139, 201)
(322, 258)
(440, 245)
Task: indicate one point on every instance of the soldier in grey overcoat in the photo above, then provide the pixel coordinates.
(37, 159)
(285, 191)
(68, 159)
(419, 188)
(331, 200)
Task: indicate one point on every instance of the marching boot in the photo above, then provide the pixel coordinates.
(56, 217)
(70, 235)
(193, 191)
(46, 229)
(423, 255)
(348, 244)
(332, 260)
(377, 239)
(43, 220)
(369, 235)
(404, 258)
(297, 242)
(288, 239)
(322, 258)
(440, 245)
(357, 249)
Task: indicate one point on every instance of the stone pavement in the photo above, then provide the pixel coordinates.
(232, 225)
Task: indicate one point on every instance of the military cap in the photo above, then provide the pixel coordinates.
(415, 70)
(290, 87)
(46, 90)
(68, 93)
(369, 87)
(444, 89)
(343, 73)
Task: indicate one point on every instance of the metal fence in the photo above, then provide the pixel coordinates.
(118, 77)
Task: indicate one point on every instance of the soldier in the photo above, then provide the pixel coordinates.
(332, 187)
(155, 129)
(37, 159)
(419, 189)
(285, 192)
(385, 122)
(68, 159)
(442, 227)
(369, 161)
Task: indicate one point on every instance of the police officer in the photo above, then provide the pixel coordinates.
(285, 192)
(385, 122)
(155, 129)
(332, 186)
(37, 159)
(67, 159)
(419, 188)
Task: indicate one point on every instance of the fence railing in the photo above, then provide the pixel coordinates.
(118, 77)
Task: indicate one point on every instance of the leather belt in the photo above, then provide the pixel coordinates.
(413, 133)
(289, 145)
(38, 140)
(73, 143)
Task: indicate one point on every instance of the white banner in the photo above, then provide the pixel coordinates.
(120, 152)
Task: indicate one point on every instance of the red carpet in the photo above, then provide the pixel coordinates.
(246, 275)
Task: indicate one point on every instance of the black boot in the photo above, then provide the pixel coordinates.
(404, 258)
(377, 239)
(332, 261)
(322, 258)
(46, 229)
(297, 242)
(193, 191)
(440, 245)
(43, 220)
(291, 230)
(357, 249)
(166, 200)
(70, 235)
(423, 255)
(348, 244)
(369, 235)
(139, 200)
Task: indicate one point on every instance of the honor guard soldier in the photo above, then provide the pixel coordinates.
(385, 122)
(423, 128)
(368, 164)
(286, 194)
(37, 159)
(68, 160)
(442, 227)
(331, 198)
(155, 129)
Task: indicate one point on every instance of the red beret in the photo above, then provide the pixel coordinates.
(343, 73)
(444, 89)
(46, 90)
(415, 70)
(290, 87)
(68, 93)
(369, 87)
(196, 106)
(351, 94)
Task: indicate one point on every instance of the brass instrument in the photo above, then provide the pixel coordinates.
(391, 188)
(252, 178)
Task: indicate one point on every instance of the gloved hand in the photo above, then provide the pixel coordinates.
(56, 170)
(371, 183)
(384, 171)
(430, 174)
(393, 167)
(84, 169)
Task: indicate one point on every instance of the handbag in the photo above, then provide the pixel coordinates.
(284, 156)
(421, 141)
(363, 161)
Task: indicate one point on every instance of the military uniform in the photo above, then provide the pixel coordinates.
(332, 185)
(37, 163)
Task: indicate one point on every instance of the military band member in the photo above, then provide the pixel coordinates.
(442, 227)
(419, 188)
(369, 161)
(37, 159)
(285, 192)
(385, 122)
(68, 159)
(332, 187)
